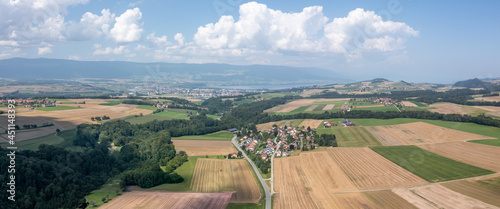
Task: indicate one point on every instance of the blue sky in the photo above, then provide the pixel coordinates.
(416, 41)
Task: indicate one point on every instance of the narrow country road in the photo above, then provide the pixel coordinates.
(266, 190)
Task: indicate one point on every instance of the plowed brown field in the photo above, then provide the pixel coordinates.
(483, 156)
(438, 196)
(387, 199)
(369, 170)
(299, 103)
(215, 175)
(311, 123)
(486, 190)
(409, 104)
(449, 108)
(204, 147)
(311, 108)
(173, 200)
(420, 133)
(328, 107)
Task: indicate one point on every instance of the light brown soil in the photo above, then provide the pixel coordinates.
(387, 199)
(328, 106)
(409, 104)
(438, 196)
(483, 156)
(204, 147)
(308, 93)
(311, 108)
(382, 136)
(299, 103)
(369, 170)
(487, 190)
(216, 175)
(489, 99)
(173, 200)
(309, 180)
(420, 133)
(311, 123)
(493, 110)
(449, 108)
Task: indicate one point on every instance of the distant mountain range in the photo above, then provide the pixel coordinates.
(22, 69)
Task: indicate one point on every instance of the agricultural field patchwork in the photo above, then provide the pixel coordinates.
(428, 165)
(482, 156)
(214, 175)
(306, 106)
(419, 133)
(354, 137)
(438, 196)
(180, 200)
(486, 190)
(311, 123)
(450, 108)
(309, 181)
(369, 170)
(204, 147)
(388, 199)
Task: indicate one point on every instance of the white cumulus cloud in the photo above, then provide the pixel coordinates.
(90, 26)
(127, 27)
(44, 50)
(110, 50)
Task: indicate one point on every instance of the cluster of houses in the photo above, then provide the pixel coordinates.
(346, 123)
(385, 101)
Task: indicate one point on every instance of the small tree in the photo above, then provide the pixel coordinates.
(92, 118)
(58, 130)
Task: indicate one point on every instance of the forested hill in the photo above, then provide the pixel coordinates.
(473, 83)
(231, 74)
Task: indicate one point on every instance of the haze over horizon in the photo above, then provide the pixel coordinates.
(415, 41)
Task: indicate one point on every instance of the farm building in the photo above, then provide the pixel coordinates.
(350, 124)
(50, 105)
(345, 121)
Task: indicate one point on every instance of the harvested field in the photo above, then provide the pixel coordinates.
(311, 123)
(216, 175)
(438, 196)
(369, 170)
(388, 199)
(355, 137)
(368, 106)
(409, 104)
(69, 119)
(180, 200)
(328, 107)
(489, 99)
(26, 134)
(420, 133)
(288, 107)
(21, 120)
(309, 180)
(487, 190)
(382, 136)
(308, 93)
(492, 110)
(311, 108)
(204, 147)
(449, 108)
(479, 155)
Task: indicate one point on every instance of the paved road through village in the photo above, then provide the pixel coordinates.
(266, 190)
